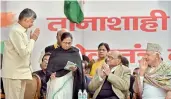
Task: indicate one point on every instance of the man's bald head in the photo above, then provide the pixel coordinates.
(61, 31)
(114, 58)
(115, 54)
(59, 34)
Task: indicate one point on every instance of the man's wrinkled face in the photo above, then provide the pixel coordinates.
(151, 57)
(112, 59)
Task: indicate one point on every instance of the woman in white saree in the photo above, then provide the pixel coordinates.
(64, 83)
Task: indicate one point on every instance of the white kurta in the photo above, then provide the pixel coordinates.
(61, 87)
(152, 92)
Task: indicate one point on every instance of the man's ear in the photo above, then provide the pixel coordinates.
(158, 55)
(119, 61)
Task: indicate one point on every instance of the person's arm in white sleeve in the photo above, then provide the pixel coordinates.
(141, 81)
(20, 46)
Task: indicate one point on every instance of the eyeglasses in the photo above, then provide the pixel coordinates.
(111, 58)
(69, 43)
(45, 61)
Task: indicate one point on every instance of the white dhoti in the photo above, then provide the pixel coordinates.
(60, 87)
(151, 92)
(14, 88)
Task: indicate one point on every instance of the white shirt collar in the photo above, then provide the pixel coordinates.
(21, 28)
(114, 68)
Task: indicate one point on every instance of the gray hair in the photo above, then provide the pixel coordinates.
(27, 13)
(157, 53)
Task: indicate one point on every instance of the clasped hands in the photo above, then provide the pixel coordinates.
(104, 70)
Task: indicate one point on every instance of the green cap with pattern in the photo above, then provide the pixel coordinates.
(154, 47)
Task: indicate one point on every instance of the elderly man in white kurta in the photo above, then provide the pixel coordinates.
(154, 80)
(16, 66)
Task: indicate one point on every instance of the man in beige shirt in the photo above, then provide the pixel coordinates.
(111, 80)
(16, 66)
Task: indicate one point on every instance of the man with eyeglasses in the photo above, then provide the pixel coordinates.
(42, 75)
(111, 80)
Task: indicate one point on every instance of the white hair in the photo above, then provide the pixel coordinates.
(160, 55)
